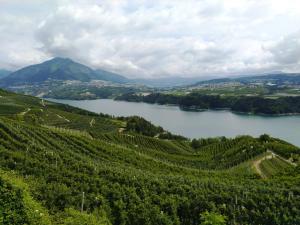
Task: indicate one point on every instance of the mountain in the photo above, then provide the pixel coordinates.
(4, 73)
(63, 165)
(57, 69)
(279, 79)
(66, 69)
(109, 76)
(170, 81)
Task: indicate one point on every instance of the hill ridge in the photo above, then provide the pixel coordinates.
(58, 68)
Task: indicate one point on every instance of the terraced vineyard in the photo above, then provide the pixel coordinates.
(274, 165)
(82, 172)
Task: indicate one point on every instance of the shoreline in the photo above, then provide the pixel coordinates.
(237, 112)
(192, 108)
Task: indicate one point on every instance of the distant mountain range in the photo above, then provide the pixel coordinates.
(66, 69)
(277, 79)
(170, 81)
(4, 73)
(109, 76)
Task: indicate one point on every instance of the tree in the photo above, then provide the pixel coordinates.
(212, 218)
(195, 143)
(264, 138)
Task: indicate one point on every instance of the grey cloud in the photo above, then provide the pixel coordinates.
(68, 32)
(287, 51)
(139, 38)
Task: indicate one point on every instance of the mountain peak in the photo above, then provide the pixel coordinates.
(58, 68)
(60, 59)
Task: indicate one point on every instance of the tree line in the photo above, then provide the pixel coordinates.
(243, 104)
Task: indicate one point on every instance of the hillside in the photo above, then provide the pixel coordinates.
(69, 160)
(168, 82)
(57, 69)
(278, 79)
(109, 76)
(4, 73)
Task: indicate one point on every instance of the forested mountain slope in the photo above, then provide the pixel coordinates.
(58, 69)
(71, 160)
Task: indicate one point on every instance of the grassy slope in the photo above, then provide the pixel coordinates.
(17, 205)
(138, 177)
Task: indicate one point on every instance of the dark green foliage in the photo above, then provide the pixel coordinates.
(138, 183)
(142, 126)
(12, 208)
(17, 206)
(243, 104)
(282, 105)
(197, 143)
(264, 138)
(83, 92)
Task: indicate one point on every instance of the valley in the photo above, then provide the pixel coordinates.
(119, 112)
(216, 149)
(135, 176)
(63, 78)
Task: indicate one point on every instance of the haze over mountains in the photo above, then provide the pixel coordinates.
(270, 79)
(4, 73)
(64, 69)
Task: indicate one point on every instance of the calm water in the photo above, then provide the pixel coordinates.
(198, 124)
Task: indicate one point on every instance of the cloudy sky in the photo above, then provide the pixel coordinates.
(154, 38)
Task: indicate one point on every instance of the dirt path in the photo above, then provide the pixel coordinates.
(43, 103)
(61, 117)
(121, 129)
(92, 122)
(269, 155)
(257, 163)
(288, 161)
(24, 113)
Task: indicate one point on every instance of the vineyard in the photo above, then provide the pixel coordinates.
(273, 166)
(55, 160)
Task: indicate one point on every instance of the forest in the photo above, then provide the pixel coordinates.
(243, 104)
(64, 165)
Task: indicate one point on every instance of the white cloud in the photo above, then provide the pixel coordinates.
(143, 38)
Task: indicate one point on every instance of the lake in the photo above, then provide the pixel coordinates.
(210, 123)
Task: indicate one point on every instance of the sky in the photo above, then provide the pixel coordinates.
(154, 38)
